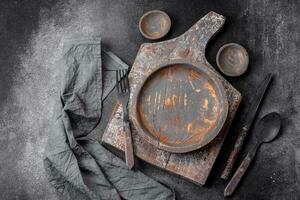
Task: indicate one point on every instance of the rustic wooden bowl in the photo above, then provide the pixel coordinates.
(154, 24)
(232, 59)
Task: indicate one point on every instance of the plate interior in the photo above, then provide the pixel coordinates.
(181, 107)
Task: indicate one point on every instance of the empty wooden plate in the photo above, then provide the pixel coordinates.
(180, 107)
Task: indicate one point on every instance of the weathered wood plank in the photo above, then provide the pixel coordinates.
(196, 165)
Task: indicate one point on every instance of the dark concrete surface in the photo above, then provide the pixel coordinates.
(31, 32)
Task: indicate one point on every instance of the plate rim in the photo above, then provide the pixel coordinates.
(154, 141)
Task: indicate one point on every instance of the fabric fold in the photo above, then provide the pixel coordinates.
(78, 167)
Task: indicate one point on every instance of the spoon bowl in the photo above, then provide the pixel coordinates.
(269, 127)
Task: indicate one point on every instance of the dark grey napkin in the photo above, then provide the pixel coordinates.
(78, 167)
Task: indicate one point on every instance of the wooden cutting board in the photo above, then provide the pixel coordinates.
(195, 165)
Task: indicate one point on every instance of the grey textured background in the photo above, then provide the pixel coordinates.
(31, 32)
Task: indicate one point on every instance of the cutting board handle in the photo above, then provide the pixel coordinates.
(202, 31)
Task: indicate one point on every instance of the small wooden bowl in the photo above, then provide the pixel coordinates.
(232, 59)
(154, 24)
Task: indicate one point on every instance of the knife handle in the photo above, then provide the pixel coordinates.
(234, 153)
(235, 180)
(129, 155)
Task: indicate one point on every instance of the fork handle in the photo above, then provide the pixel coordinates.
(129, 155)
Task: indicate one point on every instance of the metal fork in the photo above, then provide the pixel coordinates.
(123, 93)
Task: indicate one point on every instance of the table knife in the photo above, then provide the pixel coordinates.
(246, 125)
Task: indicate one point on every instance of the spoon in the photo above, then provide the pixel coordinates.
(265, 132)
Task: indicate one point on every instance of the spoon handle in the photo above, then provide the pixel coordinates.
(238, 175)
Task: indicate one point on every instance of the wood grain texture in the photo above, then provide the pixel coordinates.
(194, 166)
(238, 175)
(129, 152)
(181, 108)
(164, 57)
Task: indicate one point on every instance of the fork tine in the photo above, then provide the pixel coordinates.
(123, 85)
(121, 73)
(124, 80)
(127, 81)
(118, 81)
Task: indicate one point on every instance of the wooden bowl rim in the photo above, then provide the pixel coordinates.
(165, 15)
(246, 63)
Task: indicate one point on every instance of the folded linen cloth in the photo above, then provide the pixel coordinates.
(78, 167)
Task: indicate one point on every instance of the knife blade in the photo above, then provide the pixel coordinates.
(246, 125)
